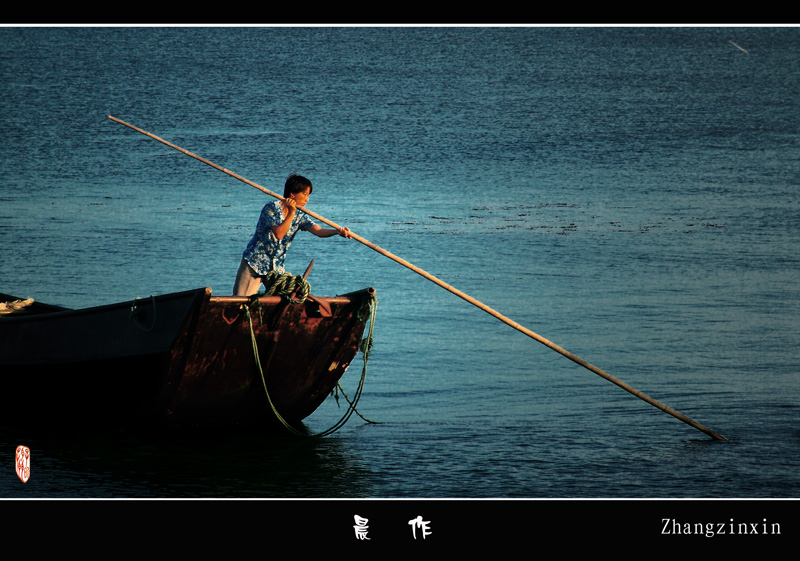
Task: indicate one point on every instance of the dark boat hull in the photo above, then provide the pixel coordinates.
(183, 359)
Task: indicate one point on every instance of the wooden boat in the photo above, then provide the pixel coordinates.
(182, 359)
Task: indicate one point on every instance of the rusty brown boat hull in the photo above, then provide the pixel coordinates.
(178, 360)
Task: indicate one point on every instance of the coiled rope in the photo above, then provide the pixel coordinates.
(369, 306)
(284, 284)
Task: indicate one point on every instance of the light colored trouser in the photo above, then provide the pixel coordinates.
(247, 281)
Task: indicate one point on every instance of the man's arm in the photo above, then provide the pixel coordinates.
(320, 232)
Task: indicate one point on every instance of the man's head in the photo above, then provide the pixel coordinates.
(296, 184)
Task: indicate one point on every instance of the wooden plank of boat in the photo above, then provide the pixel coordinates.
(182, 359)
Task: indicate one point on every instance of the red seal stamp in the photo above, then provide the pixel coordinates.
(23, 463)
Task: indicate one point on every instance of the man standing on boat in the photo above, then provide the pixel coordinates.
(276, 228)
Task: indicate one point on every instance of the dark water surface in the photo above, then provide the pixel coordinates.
(631, 194)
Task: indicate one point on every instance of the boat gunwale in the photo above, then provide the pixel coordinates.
(53, 310)
(28, 315)
(340, 299)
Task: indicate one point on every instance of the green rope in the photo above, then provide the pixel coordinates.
(370, 305)
(336, 391)
(284, 284)
(261, 371)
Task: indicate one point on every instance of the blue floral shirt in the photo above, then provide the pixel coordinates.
(265, 252)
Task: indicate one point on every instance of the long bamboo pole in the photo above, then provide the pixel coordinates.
(455, 291)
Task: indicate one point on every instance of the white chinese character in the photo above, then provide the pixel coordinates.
(361, 527)
(419, 523)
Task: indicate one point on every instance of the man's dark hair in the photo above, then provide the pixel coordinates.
(296, 184)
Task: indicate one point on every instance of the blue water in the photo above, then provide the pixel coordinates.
(631, 194)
